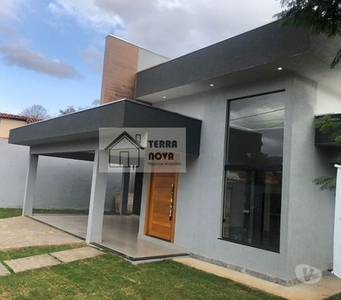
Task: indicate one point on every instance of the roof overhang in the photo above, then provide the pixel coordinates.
(76, 135)
(251, 56)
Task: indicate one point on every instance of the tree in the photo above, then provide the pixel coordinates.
(70, 109)
(95, 102)
(322, 17)
(331, 126)
(36, 111)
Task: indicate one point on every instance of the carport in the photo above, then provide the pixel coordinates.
(76, 136)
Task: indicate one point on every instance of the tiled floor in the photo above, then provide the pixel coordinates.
(119, 234)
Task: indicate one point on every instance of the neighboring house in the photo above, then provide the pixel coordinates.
(9, 121)
(248, 104)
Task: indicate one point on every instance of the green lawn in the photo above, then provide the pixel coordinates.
(15, 212)
(10, 212)
(111, 277)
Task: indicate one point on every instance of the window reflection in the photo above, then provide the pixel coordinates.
(252, 207)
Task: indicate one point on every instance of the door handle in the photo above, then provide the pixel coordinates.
(171, 204)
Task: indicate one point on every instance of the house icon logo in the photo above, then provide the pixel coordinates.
(125, 151)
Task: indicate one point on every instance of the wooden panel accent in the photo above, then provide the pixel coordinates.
(161, 188)
(119, 70)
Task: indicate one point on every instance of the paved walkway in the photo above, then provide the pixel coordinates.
(19, 232)
(328, 286)
(47, 260)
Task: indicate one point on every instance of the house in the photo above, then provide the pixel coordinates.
(9, 121)
(248, 104)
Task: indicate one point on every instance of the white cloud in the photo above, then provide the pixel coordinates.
(93, 57)
(22, 57)
(86, 13)
(169, 27)
(9, 9)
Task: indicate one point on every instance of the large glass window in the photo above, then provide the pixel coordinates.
(253, 176)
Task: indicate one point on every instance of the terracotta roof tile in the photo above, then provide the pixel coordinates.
(19, 118)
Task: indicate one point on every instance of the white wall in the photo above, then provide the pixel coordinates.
(61, 183)
(148, 59)
(327, 102)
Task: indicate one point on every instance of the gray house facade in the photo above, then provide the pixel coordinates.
(246, 200)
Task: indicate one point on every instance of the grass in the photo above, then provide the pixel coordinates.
(111, 277)
(15, 212)
(10, 212)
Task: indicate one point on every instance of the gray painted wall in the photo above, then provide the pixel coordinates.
(61, 183)
(307, 213)
(311, 211)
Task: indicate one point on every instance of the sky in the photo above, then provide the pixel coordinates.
(51, 51)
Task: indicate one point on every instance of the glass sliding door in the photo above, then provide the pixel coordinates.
(253, 176)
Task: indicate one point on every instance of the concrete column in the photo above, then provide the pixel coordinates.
(337, 225)
(124, 191)
(30, 185)
(97, 198)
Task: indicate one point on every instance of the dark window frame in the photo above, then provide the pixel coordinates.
(228, 166)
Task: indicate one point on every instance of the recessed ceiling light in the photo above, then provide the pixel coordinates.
(279, 68)
(211, 84)
(164, 97)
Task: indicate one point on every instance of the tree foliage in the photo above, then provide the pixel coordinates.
(331, 126)
(321, 16)
(71, 109)
(36, 111)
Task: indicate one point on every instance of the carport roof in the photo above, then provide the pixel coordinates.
(78, 132)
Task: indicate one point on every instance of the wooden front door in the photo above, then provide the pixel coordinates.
(162, 205)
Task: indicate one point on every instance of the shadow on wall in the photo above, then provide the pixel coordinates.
(61, 183)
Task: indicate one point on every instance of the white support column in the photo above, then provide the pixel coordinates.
(30, 185)
(337, 226)
(97, 198)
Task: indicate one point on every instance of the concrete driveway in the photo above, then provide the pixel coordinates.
(21, 232)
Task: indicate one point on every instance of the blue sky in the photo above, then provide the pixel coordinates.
(51, 51)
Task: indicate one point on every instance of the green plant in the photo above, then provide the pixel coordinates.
(328, 124)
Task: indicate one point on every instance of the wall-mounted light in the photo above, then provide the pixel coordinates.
(279, 69)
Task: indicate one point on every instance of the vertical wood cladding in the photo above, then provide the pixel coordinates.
(119, 71)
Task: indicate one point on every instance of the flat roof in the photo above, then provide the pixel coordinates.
(249, 56)
(78, 132)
